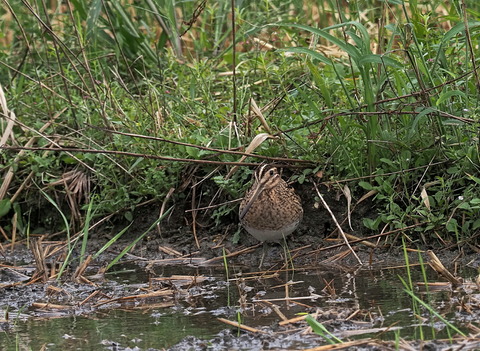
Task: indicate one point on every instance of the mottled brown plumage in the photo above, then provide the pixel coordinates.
(270, 210)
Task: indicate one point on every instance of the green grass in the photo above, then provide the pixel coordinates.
(382, 93)
(421, 308)
(319, 329)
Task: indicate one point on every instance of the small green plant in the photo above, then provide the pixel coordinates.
(129, 246)
(319, 329)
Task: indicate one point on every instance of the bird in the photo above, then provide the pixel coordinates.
(271, 209)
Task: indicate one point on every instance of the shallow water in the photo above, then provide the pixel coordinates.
(109, 330)
(375, 298)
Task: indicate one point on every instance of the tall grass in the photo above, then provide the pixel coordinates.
(381, 91)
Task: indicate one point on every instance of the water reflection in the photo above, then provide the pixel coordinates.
(109, 330)
(365, 299)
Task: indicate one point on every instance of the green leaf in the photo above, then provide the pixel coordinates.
(370, 223)
(424, 111)
(320, 82)
(301, 178)
(387, 161)
(348, 48)
(192, 152)
(458, 28)
(464, 206)
(127, 24)
(365, 185)
(92, 17)
(476, 224)
(361, 28)
(313, 54)
(475, 179)
(452, 225)
(453, 170)
(384, 60)
(5, 206)
(432, 311)
(111, 241)
(447, 95)
(319, 329)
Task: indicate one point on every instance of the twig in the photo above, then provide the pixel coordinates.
(214, 206)
(344, 345)
(374, 113)
(386, 174)
(370, 237)
(236, 253)
(200, 147)
(196, 13)
(241, 326)
(147, 156)
(336, 222)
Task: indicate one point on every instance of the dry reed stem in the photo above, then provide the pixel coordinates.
(79, 272)
(343, 345)
(170, 251)
(241, 326)
(194, 217)
(236, 253)
(437, 265)
(289, 299)
(276, 309)
(50, 306)
(91, 296)
(41, 271)
(154, 294)
(180, 260)
(293, 320)
(162, 208)
(181, 280)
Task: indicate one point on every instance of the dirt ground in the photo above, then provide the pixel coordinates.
(316, 240)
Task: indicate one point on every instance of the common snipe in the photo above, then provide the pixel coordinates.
(270, 210)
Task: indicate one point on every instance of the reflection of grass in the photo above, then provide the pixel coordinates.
(431, 310)
(417, 302)
(408, 284)
(225, 265)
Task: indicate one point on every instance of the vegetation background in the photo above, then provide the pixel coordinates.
(108, 105)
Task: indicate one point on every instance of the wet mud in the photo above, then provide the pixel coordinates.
(208, 270)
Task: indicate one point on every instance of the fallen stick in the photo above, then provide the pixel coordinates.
(241, 326)
(338, 225)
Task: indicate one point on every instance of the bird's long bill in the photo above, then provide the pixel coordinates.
(257, 192)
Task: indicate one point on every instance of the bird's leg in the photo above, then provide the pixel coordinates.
(287, 254)
(264, 247)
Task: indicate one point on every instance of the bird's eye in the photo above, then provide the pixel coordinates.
(272, 172)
